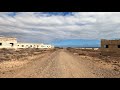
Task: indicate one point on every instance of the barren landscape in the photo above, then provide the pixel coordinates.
(58, 63)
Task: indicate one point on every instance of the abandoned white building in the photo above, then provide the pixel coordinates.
(33, 45)
(9, 42)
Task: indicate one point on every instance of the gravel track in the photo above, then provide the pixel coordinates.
(60, 64)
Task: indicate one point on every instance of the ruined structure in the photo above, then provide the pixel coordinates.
(6, 42)
(110, 47)
(33, 45)
(11, 43)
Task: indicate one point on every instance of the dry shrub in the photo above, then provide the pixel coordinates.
(82, 54)
(11, 54)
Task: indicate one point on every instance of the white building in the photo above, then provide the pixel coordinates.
(10, 43)
(33, 45)
(90, 48)
(46, 46)
(28, 45)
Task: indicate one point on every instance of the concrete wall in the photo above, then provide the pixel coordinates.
(46, 46)
(12, 44)
(8, 42)
(112, 47)
(33, 45)
(28, 45)
(90, 48)
(95, 48)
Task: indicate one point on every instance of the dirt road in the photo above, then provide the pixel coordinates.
(60, 64)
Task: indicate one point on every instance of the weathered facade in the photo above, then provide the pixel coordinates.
(91, 48)
(6, 42)
(11, 43)
(110, 47)
(28, 45)
(33, 45)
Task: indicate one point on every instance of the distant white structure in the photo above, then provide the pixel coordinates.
(90, 48)
(9, 42)
(96, 48)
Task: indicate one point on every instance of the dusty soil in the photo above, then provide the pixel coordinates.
(111, 64)
(60, 63)
(12, 54)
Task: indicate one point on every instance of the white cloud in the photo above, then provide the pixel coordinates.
(43, 27)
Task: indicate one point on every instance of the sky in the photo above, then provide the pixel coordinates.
(61, 28)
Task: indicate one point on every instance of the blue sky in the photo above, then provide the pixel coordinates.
(61, 28)
(77, 43)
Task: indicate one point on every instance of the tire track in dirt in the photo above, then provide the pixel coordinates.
(58, 64)
(73, 68)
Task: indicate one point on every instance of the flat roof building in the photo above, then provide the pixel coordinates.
(8, 42)
(11, 43)
(110, 47)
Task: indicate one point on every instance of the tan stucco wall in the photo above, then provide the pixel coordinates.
(112, 47)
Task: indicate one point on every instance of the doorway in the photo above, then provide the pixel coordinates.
(12, 44)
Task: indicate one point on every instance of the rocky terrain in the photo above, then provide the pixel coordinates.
(57, 63)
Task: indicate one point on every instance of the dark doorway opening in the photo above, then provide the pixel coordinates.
(12, 44)
(118, 46)
(0, 44)
(106, 46)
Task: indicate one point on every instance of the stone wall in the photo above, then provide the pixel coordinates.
(112, 49)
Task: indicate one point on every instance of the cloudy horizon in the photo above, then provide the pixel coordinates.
(49, 27)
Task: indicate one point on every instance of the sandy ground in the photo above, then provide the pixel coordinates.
(58, 64)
